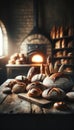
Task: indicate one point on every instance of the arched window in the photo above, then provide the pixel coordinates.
(3, 40)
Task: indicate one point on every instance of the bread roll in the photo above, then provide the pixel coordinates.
(19, 88)
(11, 83)
(59, 54)
(70, 96)
(12, 61)
(68, 69)
(21, 55)
(62, 61)
(18, 62)
(34, 92)
(35, 85)
(66, 61)
(64, 53)
(57, 44)
(70, 54)
(61, 106)
(22, 78)
(53, 94)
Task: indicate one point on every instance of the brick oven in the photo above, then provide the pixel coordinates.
(36, 43)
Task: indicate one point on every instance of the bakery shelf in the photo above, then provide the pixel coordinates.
(64, 57)
(22, 65)
(69, 38)
(62, 49)
(67, 65)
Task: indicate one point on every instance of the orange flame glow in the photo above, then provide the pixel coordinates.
(37, 58)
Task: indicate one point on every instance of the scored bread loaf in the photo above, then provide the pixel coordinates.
(32, 71)
(22, 78)
(59, 80)
(35, 89)
(34, 92)
(35, 84)
(38, 77)
(53, 93)
(19, 88)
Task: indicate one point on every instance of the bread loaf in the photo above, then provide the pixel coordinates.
(60, 81)
(53, 94)
(35, 85)
(57, 44)
(56, 67)
(11, 83)
(42, 69)
(38, 77)
(22, 78)
(61, 106)
(70, 96)
(63, 44)
(19, 88)
(34, 92)
(32, 71)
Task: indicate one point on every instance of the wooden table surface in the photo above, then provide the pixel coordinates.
(12, 104)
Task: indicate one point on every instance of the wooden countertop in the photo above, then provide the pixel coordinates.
(12, 103)
(22, 65)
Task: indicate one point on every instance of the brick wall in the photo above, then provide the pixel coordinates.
(17, 16)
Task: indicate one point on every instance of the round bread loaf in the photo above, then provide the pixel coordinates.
(70, 96)
(22, 78)
(19, 88)
(11, 83)
(61, 106)
(53, 94)
(34, 92)
(62, 82)
(35, 85)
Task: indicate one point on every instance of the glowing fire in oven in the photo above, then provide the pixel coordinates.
(37, 58)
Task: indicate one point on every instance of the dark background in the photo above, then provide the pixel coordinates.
(19, 22)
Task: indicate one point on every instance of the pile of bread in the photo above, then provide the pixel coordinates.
(37, 84)
(17, 58)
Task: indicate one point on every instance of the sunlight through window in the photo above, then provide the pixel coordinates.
(1, 42)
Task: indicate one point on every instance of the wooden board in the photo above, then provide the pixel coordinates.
(38, 101)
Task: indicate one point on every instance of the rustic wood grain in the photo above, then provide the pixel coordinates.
(2, 95)
(39, 101)
(13, 104)
(36, 109)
